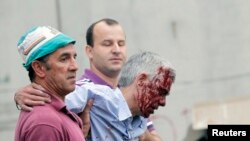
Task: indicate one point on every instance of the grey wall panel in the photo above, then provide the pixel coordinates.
(207, 41)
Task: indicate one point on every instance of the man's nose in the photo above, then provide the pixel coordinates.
(116, 48)
(162, 101)
(73, 65)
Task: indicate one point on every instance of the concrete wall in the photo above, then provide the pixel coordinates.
(207, 41)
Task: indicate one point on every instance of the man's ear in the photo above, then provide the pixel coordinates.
(141, 79)
(88, 50)
(39, 68)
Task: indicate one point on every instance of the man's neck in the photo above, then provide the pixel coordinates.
(112, 81)
(130, 99)
(49, 89)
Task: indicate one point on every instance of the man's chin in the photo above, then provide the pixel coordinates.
(146, 115)
(115, 70)
(71, 89)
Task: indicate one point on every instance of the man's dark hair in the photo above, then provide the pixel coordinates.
(43, 60)
(89, 34)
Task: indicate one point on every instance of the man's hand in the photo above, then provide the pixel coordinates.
(31, 95)
(150, 136)
(85, 116)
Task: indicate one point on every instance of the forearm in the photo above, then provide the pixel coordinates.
(29, 96)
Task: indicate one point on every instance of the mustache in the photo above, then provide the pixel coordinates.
(71, 76)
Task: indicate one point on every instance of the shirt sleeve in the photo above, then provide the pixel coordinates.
(76, 100)
(150, 125)
(43, 133)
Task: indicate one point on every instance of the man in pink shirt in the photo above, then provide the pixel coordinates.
(50, 59)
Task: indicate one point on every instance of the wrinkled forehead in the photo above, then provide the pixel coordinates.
(163, 78)
(165, 72)
(68, 50)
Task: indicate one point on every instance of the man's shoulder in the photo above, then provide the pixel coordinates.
(83, 81)
(41, 118)
(89, 85)
(42, 114)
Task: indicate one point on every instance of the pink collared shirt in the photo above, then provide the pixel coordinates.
(51, 122)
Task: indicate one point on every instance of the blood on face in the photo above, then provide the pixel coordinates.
(153, 94)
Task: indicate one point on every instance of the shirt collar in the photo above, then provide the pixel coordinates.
(88, 74)
(57, 103)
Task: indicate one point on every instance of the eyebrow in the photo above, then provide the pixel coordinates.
(66, 54)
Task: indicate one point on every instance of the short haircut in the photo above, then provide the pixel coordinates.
(147, 62)
(89, 34)
(43, 60)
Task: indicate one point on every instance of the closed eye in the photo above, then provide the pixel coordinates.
(163, 92)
